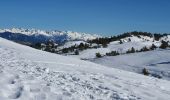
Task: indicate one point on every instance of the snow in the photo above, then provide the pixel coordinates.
(71, 43)
(90, 53)
(30, 74)
(157, 62)
(83, 36)
(135, 42)
(71, 35)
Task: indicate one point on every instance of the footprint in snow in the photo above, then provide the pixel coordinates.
(16, 93)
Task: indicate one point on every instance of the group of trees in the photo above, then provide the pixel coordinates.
(132, 50)
(112, 53)
(158, 36)
(49, 46)
(76, 48)
(107, 40)
(163, 45)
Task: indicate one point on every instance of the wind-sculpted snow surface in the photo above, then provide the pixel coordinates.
(29, 74)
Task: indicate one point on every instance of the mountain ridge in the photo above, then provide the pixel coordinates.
(16, 34)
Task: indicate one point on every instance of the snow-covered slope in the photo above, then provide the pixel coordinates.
(30, 74)
(134, 42)
(34, 35)
(157, 62)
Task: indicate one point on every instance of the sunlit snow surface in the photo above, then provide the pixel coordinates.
(29, 74)
(157, 62)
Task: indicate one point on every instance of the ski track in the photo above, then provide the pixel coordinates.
(22, 78)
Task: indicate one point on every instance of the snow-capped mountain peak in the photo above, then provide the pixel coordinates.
(71, 35)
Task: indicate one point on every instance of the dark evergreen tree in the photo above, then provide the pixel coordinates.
(153, 47)
(120, 41)
(81, 46)
(37, 46)
(112, 53)
(104, 45)
(145, 72)
(144, 49)
(129, 40)
(98, 55)
(132, 50)
(64, 50)
(164, 45)
(47, 49)
(76, 52)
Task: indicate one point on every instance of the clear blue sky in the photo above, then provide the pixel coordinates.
(91, 16)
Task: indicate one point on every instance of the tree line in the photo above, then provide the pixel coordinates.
(164, 45)
(106, 40)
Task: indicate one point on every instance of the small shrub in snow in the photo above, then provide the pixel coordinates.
(98, 55)
(76, 52)
(129, 40)
(120, 41)
(145, 72)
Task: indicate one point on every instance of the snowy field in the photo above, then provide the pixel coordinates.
(157, 62)
(30, 74)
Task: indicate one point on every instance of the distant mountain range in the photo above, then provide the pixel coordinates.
(35, 35)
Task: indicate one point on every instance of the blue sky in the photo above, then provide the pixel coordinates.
(105, 17)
